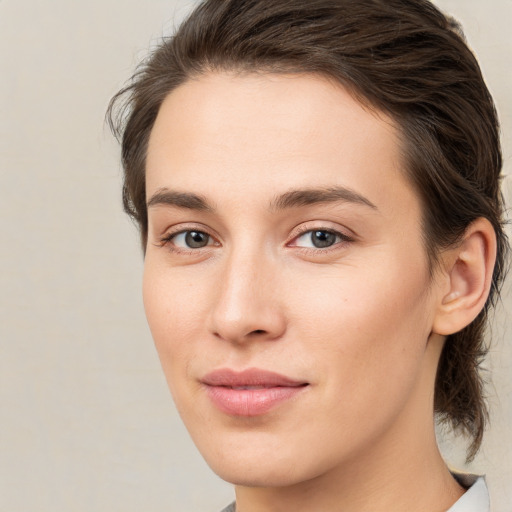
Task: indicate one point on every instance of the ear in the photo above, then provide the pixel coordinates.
(466, 277)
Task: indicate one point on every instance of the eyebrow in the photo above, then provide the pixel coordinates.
(185, 200)
(311, 196)
(291, 199)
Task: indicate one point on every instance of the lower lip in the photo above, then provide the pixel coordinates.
(250, 402)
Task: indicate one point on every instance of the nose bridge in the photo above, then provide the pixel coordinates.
(247, 304)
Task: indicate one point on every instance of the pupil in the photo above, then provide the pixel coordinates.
(323, 239)
(196, 239)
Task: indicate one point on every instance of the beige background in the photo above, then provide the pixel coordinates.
(86, 422)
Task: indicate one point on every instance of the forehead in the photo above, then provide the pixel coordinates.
(258, 134)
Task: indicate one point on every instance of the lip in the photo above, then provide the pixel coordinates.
(251, 392)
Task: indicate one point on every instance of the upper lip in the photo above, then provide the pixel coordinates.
(250, 377)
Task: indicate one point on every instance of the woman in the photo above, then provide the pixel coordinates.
(317, 188)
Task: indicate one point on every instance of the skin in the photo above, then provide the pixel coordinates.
(360, 321)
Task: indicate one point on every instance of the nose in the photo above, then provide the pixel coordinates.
(248, 301)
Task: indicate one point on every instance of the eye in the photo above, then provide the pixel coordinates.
(319, 238)
(190, 239)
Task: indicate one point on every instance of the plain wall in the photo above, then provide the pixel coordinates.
(87, 423)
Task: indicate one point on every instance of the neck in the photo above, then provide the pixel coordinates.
(402, 471)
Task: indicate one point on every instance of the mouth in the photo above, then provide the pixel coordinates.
(252, 392)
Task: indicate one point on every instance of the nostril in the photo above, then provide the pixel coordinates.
(258, 331)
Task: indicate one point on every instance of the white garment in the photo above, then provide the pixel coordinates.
(476, 498)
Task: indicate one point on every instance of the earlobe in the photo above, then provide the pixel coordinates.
(467, 276)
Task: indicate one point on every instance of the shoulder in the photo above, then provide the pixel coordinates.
(229, 508)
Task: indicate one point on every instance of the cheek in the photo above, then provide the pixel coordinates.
(367, 328)
(359, 301)
(174, 306)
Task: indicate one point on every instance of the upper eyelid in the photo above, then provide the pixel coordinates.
(167, 237)
(184, 227)
(171, 234)
(344, 237)
(306, 227)
(167, 240)
(301, 229)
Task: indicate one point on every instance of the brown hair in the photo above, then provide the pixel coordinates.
(403, 57)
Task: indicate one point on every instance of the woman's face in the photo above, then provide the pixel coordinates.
(286, 284)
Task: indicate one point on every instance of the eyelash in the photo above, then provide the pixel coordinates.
(166, 240)
(344, 239)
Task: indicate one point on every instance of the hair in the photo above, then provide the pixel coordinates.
(402, 57)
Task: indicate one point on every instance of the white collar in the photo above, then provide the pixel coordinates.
(476, 498)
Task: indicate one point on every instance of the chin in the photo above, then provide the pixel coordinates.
(264, 466)
(272, 474)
